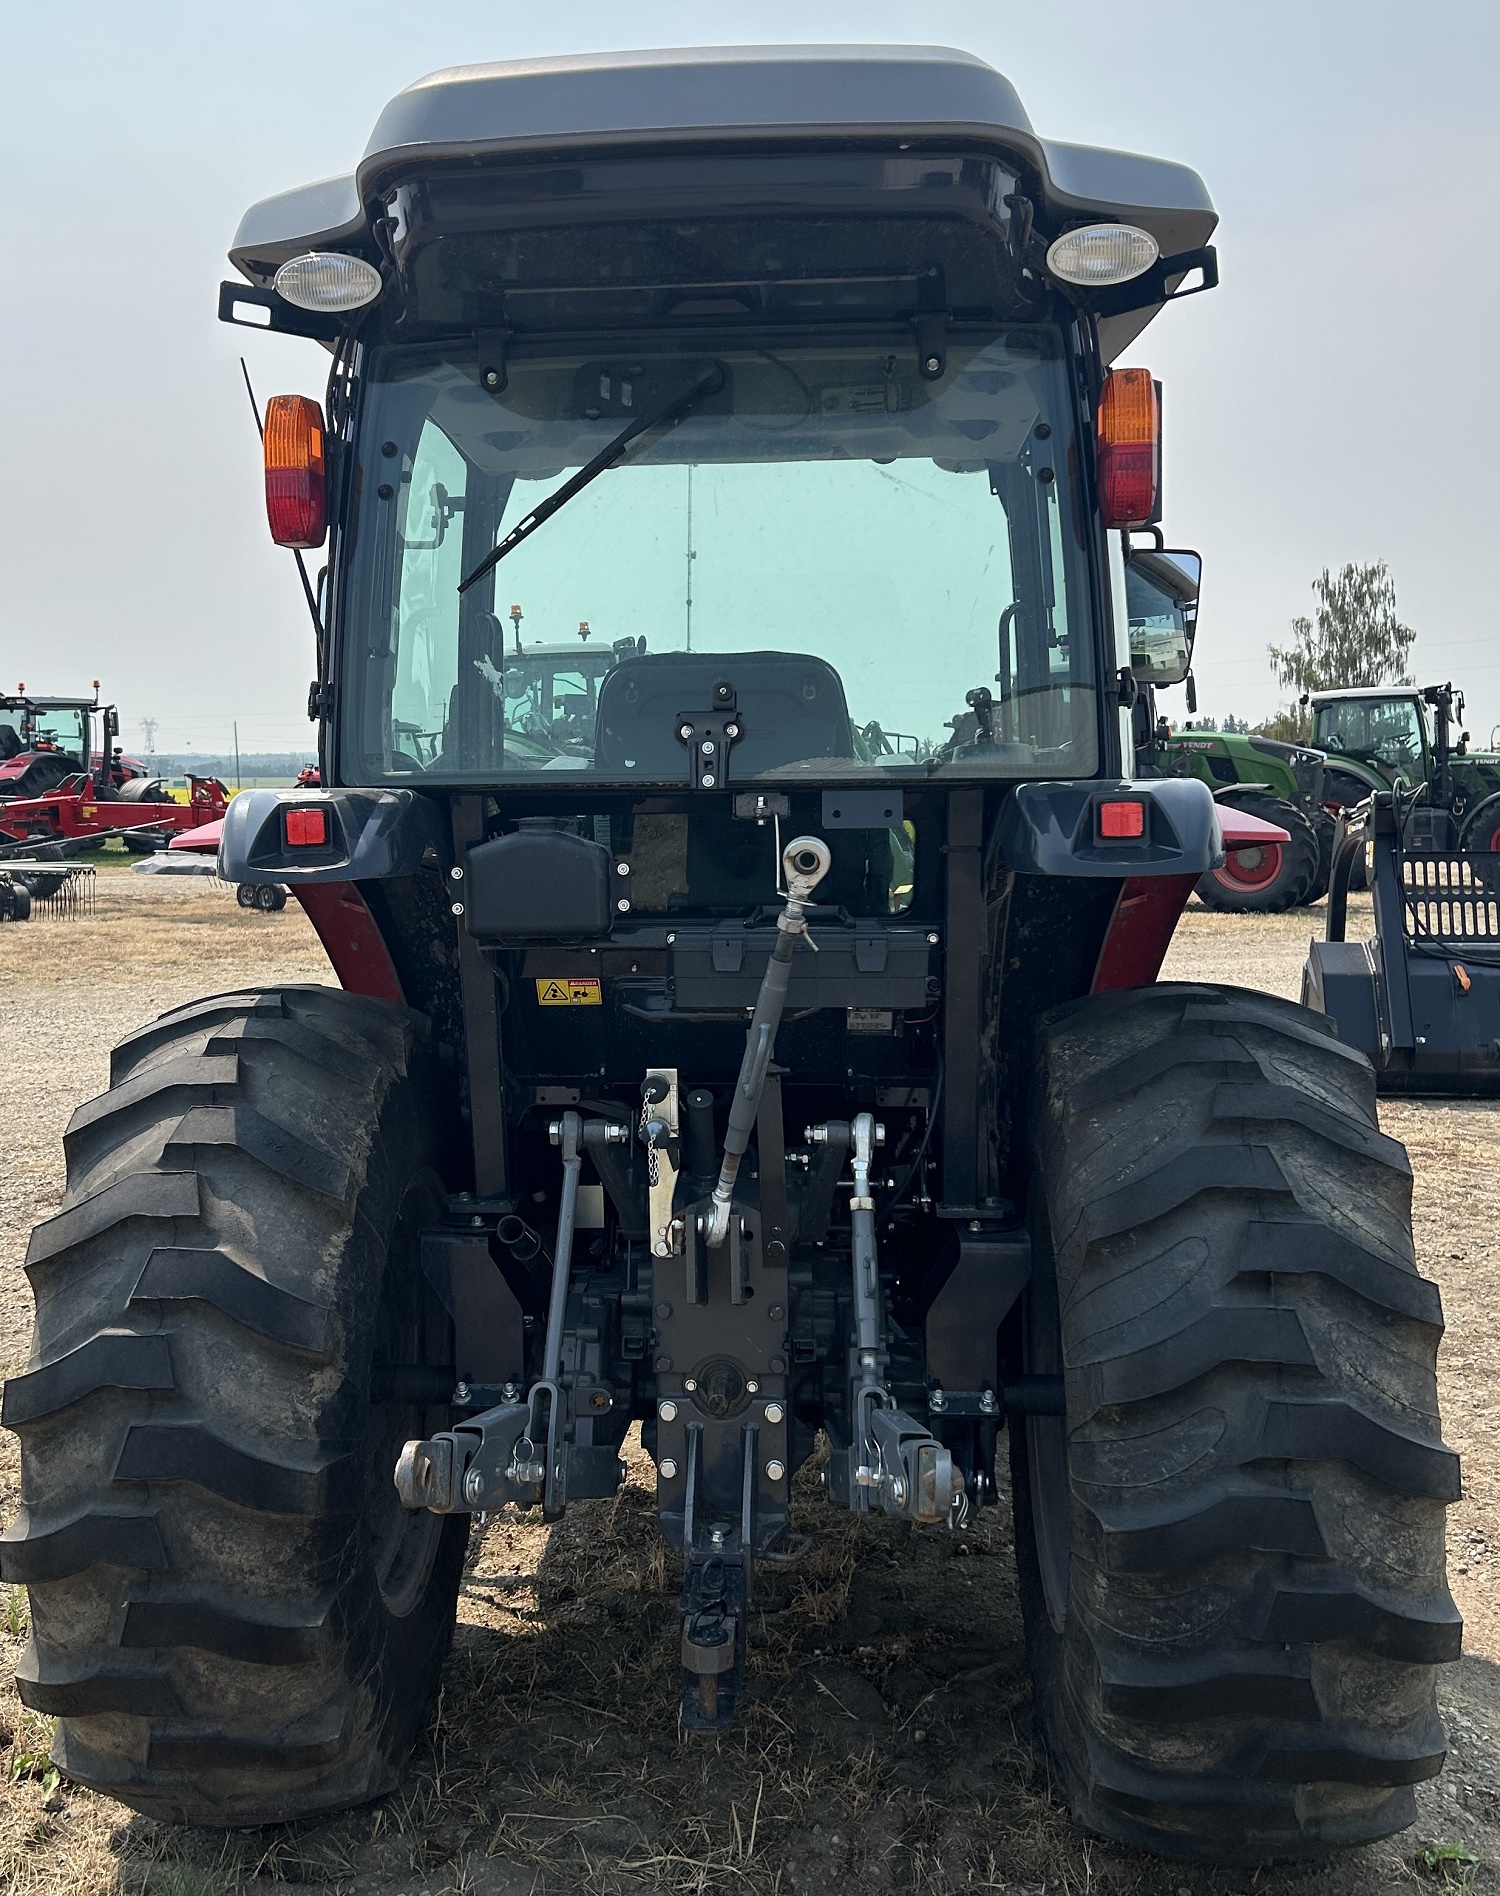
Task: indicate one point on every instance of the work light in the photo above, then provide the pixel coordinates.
(329, 281)
(1097, 255)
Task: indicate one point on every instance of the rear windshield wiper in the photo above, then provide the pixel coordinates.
(706, 379)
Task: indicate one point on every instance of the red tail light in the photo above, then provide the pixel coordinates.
(306, 829)
(1129, 431)
(296, 492)
(1122, 821)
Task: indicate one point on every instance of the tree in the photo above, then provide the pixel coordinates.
(1354, 637)
(1290, 726)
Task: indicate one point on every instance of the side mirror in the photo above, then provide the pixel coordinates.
(296, 484)
(1161, 592)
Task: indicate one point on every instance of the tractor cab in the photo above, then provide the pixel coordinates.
(1411, 741)
(45, 741)
(550, 695)
(1387, 731)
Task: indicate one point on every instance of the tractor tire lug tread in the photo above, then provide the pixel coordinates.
(159, 1623)
(112, 1359)
(199, 1453)
(214, 1278)
(135, 1690)
(1254, 1477)
(31, 1553)
(190, 1452)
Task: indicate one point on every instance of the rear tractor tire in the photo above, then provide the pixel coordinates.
(1265, 878)
(1481, 835)
(1231, 1546)
(1481, 830)
(233, 1619)
(1327, 831)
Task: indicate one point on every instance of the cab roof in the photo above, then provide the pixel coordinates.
(1363, 691)
(692, 98)
(17, 701)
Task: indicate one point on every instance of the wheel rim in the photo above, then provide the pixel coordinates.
(1255, 867)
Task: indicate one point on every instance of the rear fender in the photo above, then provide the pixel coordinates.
(1049, 829)
(369, 836)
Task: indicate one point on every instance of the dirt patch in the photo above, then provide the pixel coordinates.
(887, 1742)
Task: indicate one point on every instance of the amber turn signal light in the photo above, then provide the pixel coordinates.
(296, 487)
(1129, 437)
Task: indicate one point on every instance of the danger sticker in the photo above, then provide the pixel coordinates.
(571, 991)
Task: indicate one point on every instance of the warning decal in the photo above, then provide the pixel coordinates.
(569, 991)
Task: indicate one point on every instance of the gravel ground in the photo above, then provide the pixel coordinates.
(888, 1741)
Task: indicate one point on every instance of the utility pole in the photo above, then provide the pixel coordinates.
(148, 725)
(236, 753)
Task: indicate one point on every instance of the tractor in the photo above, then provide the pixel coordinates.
(1278, 784)
(65, 784)
(1281, 784)
(44, 740)
(735, 1071)
(1398, 738)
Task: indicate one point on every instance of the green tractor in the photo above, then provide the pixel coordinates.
(1400, 737)
(1282, 784)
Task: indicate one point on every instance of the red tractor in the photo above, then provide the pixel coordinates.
(44, 740)
(590, 1140)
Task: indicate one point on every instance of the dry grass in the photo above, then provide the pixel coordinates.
(887, 1739)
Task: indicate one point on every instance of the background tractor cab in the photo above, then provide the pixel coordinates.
(1406, 739)
(44, 740)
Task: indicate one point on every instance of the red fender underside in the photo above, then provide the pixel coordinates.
(1148, 908)
(352, 942)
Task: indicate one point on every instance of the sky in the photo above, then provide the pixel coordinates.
(1335, 400)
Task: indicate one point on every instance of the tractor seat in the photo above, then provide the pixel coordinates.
(790, 708)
